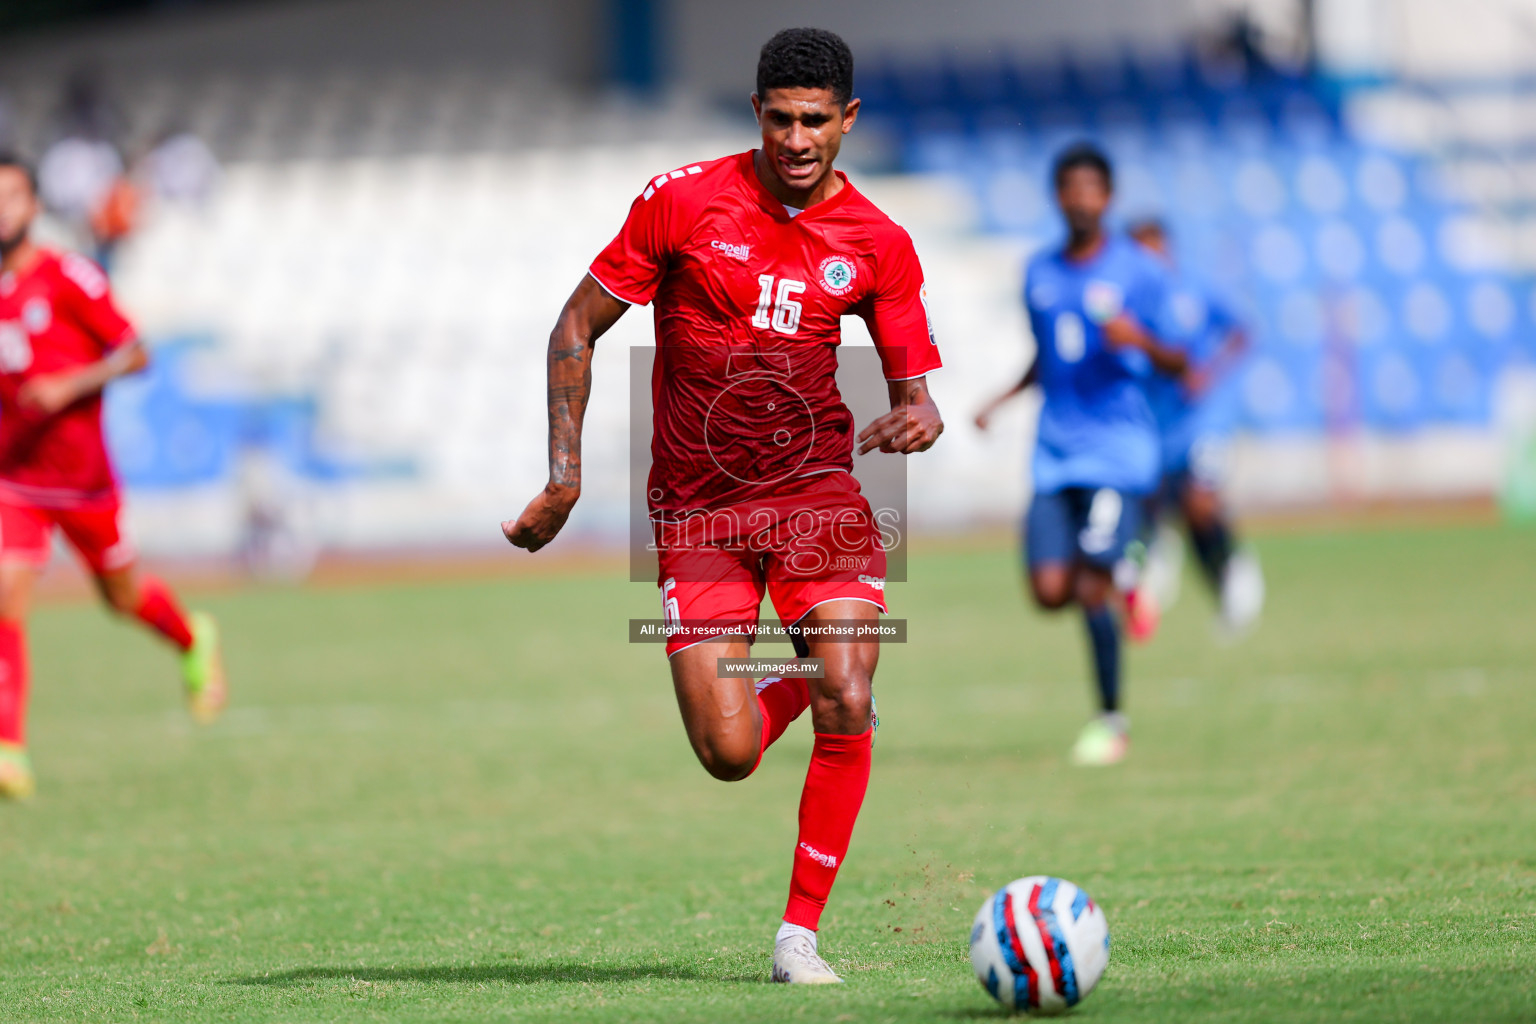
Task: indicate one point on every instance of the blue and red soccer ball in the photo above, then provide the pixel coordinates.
(1039, 945)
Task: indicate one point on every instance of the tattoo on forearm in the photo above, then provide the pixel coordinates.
(570, 384)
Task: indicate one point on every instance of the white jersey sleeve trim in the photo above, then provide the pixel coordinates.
(603, 285)
(714, 637)
(878, 604)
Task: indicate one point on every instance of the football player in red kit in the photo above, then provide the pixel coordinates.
(62, 340)
(750, 261)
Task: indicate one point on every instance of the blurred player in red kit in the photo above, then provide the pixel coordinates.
(62, 340)
(750, 261)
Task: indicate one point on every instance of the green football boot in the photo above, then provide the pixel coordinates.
(1103, 741)
(16, 779)
(202, 670)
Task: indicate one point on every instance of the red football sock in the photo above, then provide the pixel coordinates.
(829, 805)
(159, 610)
(13, 683)
(780, 701)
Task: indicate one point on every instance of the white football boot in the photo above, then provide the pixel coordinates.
(795, 961)
(1164, 571)
(1242, 595)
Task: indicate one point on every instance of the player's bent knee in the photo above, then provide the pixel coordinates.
(727, 766)
(841, 703)
(1052, 600)
(728, 758)
(1051, 589)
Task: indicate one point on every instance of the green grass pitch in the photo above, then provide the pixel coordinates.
(473, 801)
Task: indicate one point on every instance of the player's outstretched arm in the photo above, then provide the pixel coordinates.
(912, 425)
(984, 414)
(1199, 379)
(1124, 332)
(49, 393)
(587, 315)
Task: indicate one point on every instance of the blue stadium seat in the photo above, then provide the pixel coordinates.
(1336, 244)
(1392, 389)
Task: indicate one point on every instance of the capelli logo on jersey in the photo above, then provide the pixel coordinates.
(731, 249)
(878, 582)
(826, 860)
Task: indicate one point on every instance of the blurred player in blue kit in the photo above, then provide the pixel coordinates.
(1094, 305)
(1195, 413)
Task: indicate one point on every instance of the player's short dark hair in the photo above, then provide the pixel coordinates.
(806, 58)
(21, 164)
(1082, 154)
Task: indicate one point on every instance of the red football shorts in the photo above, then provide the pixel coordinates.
(805, 549)
(26, 532)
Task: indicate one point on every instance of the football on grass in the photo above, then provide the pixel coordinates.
(1039, 944)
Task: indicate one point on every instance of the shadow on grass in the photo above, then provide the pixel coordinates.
(976, 1013)
(511, 972)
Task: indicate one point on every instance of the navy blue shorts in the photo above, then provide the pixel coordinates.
(1088, 525)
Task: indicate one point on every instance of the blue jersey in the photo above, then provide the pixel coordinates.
(1097, 428)
(1197, 321)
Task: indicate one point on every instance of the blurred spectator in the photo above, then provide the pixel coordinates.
(114, 218)
(87, 110)
(8, 139)
(82, 176)
(180, 169)
(1243, 40)
(278, 541)
(76, 174)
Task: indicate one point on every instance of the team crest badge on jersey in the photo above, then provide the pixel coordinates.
(37, 314)
(1102, 301)
(838, 273)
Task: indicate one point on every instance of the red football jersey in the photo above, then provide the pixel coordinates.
(56, 315)
(748, 302)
